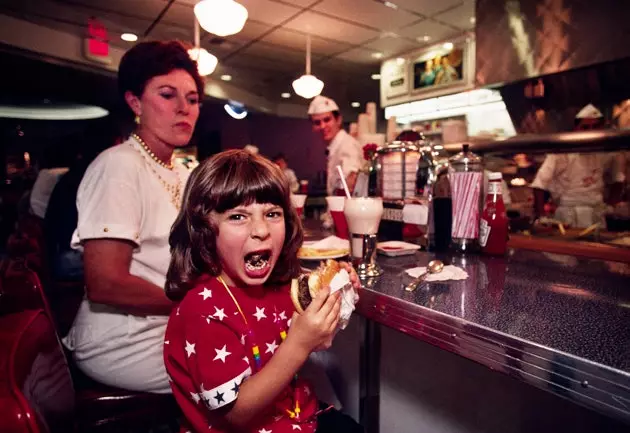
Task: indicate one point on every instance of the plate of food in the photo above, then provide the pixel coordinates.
(331, 247)
(310, 253)
(396, 248)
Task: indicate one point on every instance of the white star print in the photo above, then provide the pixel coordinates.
(275, 317)
(207, 293)
(296, 427)
(208, 318)
(271, 348)
(260, 313)
(282, 316)
(246, 359)
(262, 430)
(166, 342)
(177, 313)
(195, 397)
(243, 339)
(190, 348)
(222, 353)
(219, 313)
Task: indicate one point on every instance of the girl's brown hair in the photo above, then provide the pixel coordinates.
(225, 181)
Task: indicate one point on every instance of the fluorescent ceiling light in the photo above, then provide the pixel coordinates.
(129, 37)
(356, 104)
(286, 95)
(226, 77)
(448, 46)
(221, 17)
(52, 112)
(376, 76)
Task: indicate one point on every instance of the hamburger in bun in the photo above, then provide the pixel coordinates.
(307, 286)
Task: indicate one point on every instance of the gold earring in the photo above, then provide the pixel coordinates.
(137, 120)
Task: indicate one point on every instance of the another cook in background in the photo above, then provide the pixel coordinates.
(343, 149)
(281, 161)
(576, 181)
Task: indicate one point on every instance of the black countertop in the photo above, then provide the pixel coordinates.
(558, 322)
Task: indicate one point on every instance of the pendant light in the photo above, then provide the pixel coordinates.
(221, 17)
(308, 86)
(206, 62)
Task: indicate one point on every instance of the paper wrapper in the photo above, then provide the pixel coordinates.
(329, 243)
(449, 272)
(349, 298)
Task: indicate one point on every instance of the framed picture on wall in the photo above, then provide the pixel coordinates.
(437, 68)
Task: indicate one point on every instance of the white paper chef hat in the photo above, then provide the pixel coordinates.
(589, 112)
(321, 104)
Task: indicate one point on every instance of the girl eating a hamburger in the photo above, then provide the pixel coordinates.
(232, 358)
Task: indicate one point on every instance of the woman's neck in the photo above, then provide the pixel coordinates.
(162, 151)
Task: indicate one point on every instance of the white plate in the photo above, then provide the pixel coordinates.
(396, 248)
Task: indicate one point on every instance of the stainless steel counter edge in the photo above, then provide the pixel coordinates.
(593, 385)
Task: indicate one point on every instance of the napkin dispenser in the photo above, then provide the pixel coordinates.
(404, 169)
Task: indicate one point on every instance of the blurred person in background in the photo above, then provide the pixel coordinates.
(52, 167)
(127, 201)
(281, 161)
(576, 181)
(343, 149)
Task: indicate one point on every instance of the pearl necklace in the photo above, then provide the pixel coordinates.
(174, 191)
(148, 150)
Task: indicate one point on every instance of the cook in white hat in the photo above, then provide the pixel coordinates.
(343, 149)
(576, 181)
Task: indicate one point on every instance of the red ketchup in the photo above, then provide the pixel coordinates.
(493, 231)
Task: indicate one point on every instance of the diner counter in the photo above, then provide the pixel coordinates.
(558, 322)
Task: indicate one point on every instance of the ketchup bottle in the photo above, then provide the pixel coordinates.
(493, 230)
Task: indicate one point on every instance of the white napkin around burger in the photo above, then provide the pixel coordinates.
(349, 298)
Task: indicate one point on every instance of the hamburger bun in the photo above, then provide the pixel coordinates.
(306, 287)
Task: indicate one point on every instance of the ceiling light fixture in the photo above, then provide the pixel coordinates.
(235, 109)
(221, 17)
(226, 77)
(377, 55)
(286, 95)
(206, 62)
(473, 20)
(129, 37)
(52, 112)
(308, 86)
(376, 76)
(356, 104)
(426, 38)
(448, 46)
(400, 61)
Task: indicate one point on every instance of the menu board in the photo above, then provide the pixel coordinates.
(394, 78)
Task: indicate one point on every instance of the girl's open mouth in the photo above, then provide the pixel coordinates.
(258, 263)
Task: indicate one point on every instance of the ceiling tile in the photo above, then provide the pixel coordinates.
(359, 55)
(460, 16)
(427, 7)
(252, 30)
(278, 53)
(367, 12)
(391, 46)
(435, 31)
(297, 40)
(331, 28)
(301, 3)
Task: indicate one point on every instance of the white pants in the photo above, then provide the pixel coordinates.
(119, 349)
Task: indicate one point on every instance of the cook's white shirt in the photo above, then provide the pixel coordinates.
(576, 179)
(345, 151)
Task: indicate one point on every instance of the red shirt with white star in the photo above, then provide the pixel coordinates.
(208, 354)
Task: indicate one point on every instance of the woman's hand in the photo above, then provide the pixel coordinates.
(315, 328)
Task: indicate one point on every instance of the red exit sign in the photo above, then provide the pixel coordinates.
(96, 45)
